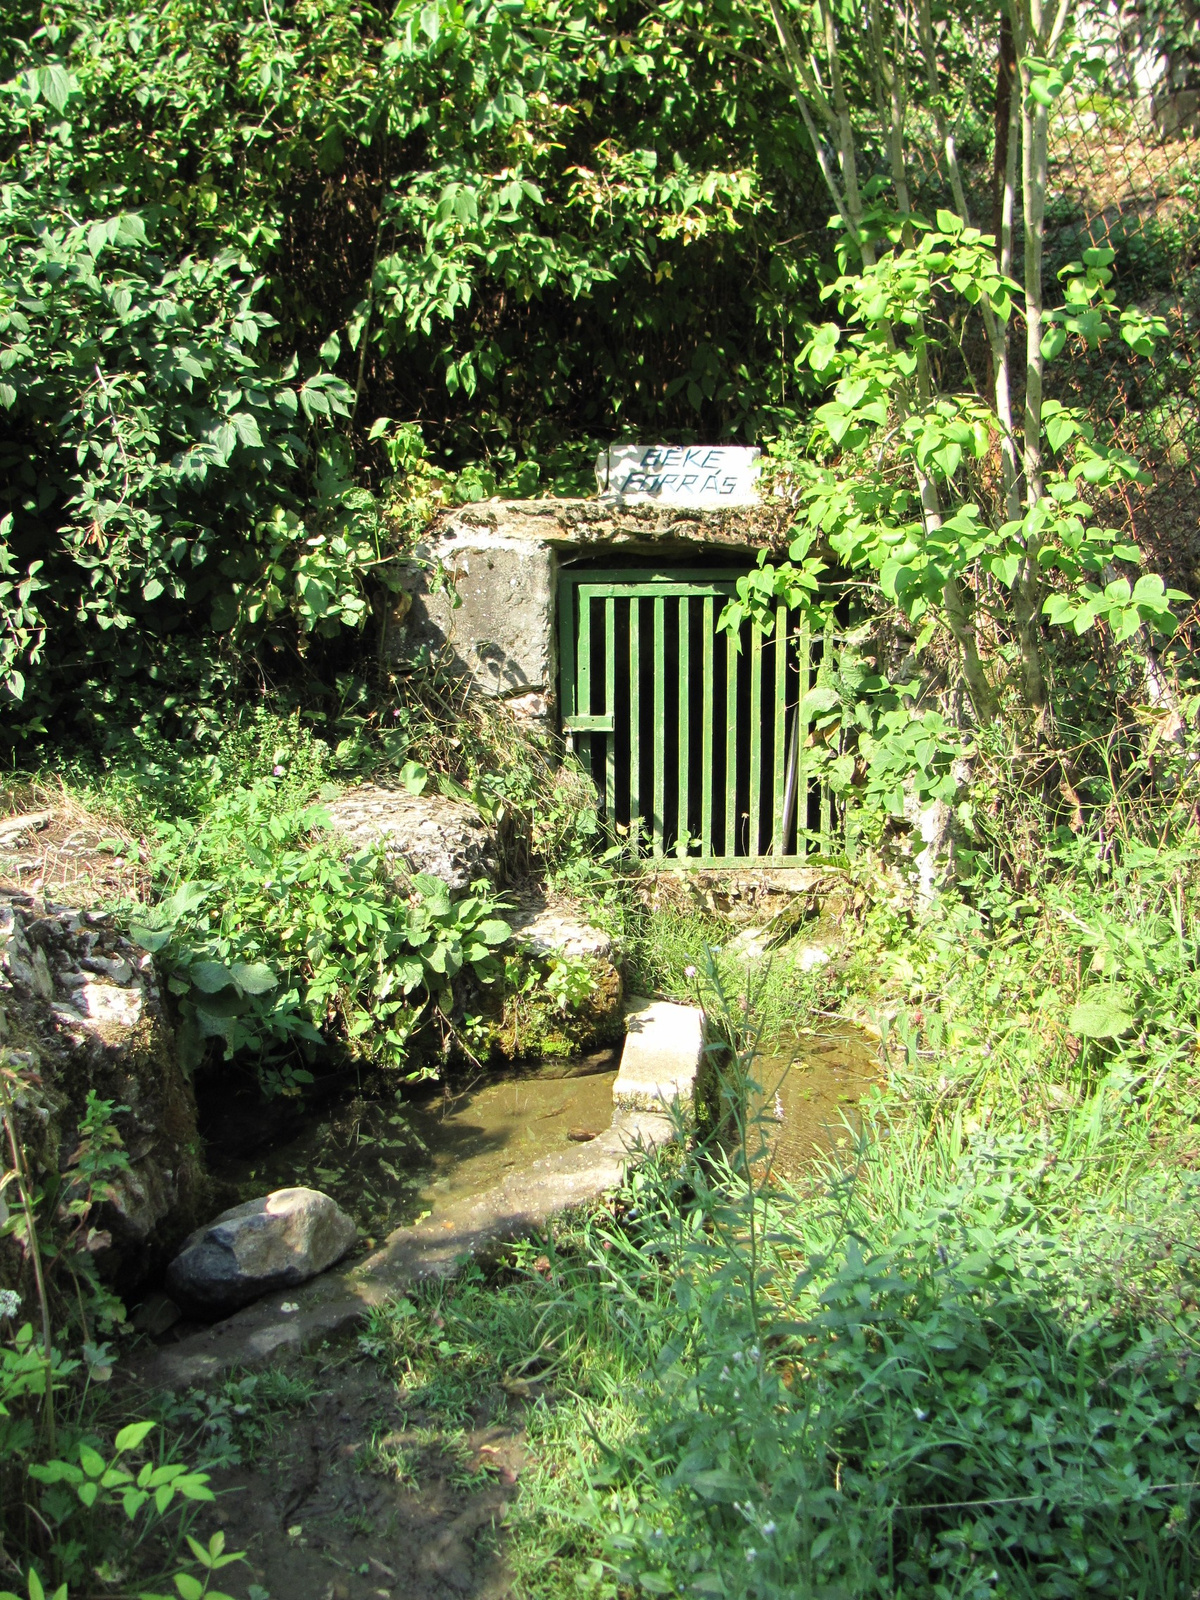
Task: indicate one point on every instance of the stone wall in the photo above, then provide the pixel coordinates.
(501, 559)
(80, 1011)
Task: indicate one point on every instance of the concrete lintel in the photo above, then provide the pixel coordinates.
(583, 525)
(663, 1057)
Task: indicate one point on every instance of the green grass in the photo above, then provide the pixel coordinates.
(965, 1361)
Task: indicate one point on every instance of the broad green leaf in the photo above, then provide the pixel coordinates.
(432, 888)
(1101, 1015)
(414, 776)
(717, 1483)
(210, 977)
(1005, 567)
(132, 1435)
(1060, 428)
(55, 85)
(253, 977)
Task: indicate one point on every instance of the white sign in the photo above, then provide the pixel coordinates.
(707, 477)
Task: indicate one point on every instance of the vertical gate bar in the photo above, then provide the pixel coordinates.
(804, 644)
(685, 662)
(756, 677)
(778, 756)
(610, 710)
(635, 720)
(660, 731)
(566, 651)
(706, 734)
(583, 675)
(827, 818)
(731, 742)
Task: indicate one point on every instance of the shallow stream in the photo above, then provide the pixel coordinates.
(812, 1082)
(390, 1161)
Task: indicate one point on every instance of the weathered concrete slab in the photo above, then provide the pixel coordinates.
(501, 632)
(663, 1057)
(282, 1325)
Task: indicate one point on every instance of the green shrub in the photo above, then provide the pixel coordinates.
(273, 937)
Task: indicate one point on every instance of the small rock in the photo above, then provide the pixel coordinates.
(275, 1242)
(116, 968)
(582, 1135)
(811, 956)
(559, 930)
(156, 1315)
(750, 945)
(106, 1006)
(12, 828)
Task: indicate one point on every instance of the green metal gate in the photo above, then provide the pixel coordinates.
(696, 748)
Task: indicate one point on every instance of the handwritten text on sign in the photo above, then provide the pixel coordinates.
(705, 476)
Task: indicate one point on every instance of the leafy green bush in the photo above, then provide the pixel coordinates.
(274, 936)
(229, 237)
(104, 1511)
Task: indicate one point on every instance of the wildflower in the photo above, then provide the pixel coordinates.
(689, 972)
(278, 771)
(10, 1303)
(751, 1552)
(768, 1528)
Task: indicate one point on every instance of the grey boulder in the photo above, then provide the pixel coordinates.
(275, 1242)
(419, 832)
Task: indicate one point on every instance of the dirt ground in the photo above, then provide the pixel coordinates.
(51, 846)
(353, 1499)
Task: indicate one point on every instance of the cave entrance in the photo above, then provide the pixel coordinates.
(697, 749)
